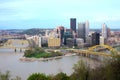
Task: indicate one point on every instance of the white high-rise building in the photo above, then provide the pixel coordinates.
(102, 41)
(87, 28)
(46, 33)
(104, 30)
(40, 42)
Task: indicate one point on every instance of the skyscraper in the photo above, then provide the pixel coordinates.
(86, 28)
(95, 38)
(83, 30)
(73, 24)
(60, 32)
(104, 30)
(67, 35)
(108, 32)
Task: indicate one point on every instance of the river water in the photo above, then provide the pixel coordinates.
(9, 60)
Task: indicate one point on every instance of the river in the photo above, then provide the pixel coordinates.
(9, 61)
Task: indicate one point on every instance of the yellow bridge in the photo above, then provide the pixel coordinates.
(15, 44)
(93, 51)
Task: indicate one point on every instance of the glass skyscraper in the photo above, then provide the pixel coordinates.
(81, 31)
(73, 24)
(95, 38)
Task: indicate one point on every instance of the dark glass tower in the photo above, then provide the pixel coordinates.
(66, 36)
(73, 24)
(95, 38)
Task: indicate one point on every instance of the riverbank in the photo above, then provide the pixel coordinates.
(39, 59)
(43, 59)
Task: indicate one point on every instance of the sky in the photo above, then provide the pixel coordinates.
(25, 14)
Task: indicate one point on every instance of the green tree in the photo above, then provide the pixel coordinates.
(5, 76)
(81, 71)
(112, 69)
(38, 76)
(28, 53)
(61, 76)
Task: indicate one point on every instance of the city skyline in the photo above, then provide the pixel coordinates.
(25, 14)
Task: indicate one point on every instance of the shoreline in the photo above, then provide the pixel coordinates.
(32, 59)
(39, 59)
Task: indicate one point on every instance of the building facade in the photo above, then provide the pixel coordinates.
(104, 30)
(67, 35)
(80, 42)
(70, 42)
(95, 38)
(54, 42)
(86, 28)
(81, 31)
(73, 24)
(60, 32)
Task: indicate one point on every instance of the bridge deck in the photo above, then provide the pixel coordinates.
(91, 53)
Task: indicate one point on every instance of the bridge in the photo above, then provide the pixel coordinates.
(103, 48)
(94, 51)
(15, 44)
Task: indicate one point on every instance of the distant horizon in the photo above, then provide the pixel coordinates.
(54, 28)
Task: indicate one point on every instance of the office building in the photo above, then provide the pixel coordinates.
(44, 41)
(108, 32)
(80, 42)
(54, 42)
(47, 33)
(67, 35)
(73, 24)
(70, 42)
(104, 30)
(39, 42)
(86, 28)
(35, 41)
(83, 31)
(53, 34)
(60, 32)
(95, 38)
(101, 40)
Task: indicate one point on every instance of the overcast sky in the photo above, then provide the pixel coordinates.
(25, 14)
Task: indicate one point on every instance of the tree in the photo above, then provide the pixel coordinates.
(38, 76)
(112, 71)
(5, 76)
(61, 76)
(81, 71)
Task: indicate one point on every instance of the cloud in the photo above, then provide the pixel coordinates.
(58, 10)
(106, 18)
(28, 9)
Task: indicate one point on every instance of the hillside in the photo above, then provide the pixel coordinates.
(33, 31)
